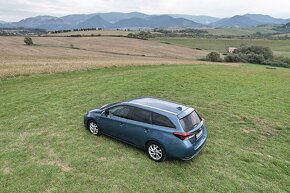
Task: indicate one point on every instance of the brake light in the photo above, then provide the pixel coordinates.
(183, 135)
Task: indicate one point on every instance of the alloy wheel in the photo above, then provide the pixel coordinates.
(93, 128)
(155, 152)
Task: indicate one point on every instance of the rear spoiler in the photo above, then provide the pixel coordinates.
(185, 113)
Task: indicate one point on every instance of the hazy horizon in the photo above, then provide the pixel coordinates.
(19, 9)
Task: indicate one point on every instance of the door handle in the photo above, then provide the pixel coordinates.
(121, 123)
(146, 130)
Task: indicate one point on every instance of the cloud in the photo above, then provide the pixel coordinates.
(19, 9)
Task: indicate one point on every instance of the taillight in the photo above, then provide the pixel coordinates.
(183, 135)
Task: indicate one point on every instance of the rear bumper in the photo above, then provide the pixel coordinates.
(191, 157)
(196, 148)
(188, 150)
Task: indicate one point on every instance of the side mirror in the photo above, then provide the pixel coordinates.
(106, 112)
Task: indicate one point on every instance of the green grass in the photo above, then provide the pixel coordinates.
(280, 47)
(240, 32)
(44, 147)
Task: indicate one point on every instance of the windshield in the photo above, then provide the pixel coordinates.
(190, 121)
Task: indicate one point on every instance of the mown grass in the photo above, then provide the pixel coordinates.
(44, 147)
(280, 47)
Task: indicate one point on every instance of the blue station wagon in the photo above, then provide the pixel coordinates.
(164, 129)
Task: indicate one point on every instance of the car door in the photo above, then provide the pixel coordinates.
(137, 129)
(114, 122)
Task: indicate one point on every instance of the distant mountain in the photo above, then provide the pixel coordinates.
(283, 28)
(131, 23)
(248, 20)
(237, 21)
(75, 19)
(202, 19)
(42, 22)
(141, 20)
(114, 17)
(96, 22)
(162, 21)
(266, 19)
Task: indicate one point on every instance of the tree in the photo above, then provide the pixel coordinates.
(255, 50)
(28, 41)
(214, 57)
(233, 58)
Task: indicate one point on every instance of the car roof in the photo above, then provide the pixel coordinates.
(159, 104)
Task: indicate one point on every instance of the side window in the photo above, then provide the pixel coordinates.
(121, 111)
(161, 120)
(141, 115)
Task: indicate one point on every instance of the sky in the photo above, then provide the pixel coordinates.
(15, 10)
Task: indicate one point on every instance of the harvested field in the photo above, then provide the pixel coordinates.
(59, 54)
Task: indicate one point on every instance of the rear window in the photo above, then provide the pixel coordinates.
(161, 120)
(190, 121)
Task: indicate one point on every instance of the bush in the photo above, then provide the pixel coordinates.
(255, 58)
(277, 63)
(28, 41)
(233, 58)
(214, 57)
(255, 50)
(257, 55)
(250, 58)
(141, 35)
(131, 35)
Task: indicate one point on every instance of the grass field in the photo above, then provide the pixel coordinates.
(44, 147)
(280, 47)
(59, 54)
(240, 32)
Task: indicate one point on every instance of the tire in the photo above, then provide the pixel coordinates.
(94, 128)
(156, 152)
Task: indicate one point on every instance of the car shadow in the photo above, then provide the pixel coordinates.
(143, 152)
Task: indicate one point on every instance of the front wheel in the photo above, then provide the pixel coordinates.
(156, 152)
(94, 129)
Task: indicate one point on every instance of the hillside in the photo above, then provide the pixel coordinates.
(114, 17)
(75, 19)
(266, 19)
(162, 21)
(247, 21)
(279, 47)
(202, 19)
(94, 22)
(136, 19)
(55, 54)
(237, 21)
(43, 22)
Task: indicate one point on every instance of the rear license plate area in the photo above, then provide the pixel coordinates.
(198, 134)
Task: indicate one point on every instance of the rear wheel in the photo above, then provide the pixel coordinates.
(94, 128)
(156, 152)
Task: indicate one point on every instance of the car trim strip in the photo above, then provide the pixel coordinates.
(153, 108)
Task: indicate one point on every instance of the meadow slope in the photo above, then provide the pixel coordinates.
(45, 148)
(280, 47)
(55, 54)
